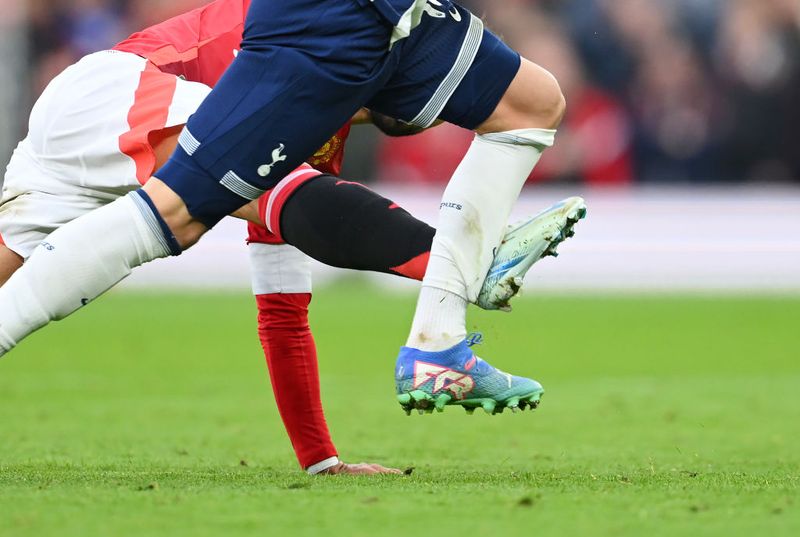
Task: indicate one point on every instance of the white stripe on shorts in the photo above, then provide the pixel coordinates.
(469, 49)
(188, 142)
(240, 187)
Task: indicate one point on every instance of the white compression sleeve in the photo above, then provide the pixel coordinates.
(279, 268)
(76, 264)
(472, 217)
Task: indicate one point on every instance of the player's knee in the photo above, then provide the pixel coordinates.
(533, 101)
(553, 107)
(542, 105)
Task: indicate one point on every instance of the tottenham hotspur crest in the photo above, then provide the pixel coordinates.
(265, 169)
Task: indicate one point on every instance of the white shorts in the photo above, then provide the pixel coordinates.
(87, 142)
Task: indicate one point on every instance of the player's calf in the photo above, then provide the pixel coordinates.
(347, 225)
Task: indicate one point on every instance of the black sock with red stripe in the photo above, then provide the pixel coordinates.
(347, 225)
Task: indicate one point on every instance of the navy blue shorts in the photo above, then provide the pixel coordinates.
(306, 66)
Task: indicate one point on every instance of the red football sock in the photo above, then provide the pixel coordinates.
(292, 359)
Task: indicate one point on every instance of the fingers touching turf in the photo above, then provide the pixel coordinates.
(362, 468)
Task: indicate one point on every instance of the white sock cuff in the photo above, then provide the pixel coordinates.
(321, 466)
(141, 200)
(440, 321)
(539, 138)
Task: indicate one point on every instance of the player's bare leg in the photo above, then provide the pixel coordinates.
(186, 230)
(532, 101)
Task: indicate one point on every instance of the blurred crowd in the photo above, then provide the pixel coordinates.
(657, 90)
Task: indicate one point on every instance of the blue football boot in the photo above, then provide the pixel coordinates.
(456, 376)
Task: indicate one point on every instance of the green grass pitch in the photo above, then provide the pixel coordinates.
(151, 414)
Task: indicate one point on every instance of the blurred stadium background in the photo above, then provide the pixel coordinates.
(679, 134)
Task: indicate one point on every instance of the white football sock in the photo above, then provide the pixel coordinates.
(472, 217)
(440, 321)
(76, 264)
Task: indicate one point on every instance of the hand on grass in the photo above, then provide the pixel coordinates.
(363, 468)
